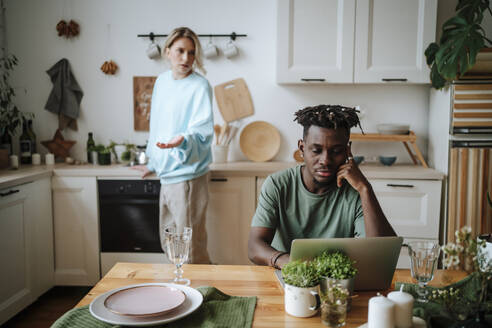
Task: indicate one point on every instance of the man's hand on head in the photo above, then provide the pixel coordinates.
(350, 171)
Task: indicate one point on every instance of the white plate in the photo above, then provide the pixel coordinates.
(193, 301)
(417, 323)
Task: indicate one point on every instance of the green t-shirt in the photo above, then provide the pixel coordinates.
(288, 207)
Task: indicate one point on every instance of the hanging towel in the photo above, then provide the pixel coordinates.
(66, 95)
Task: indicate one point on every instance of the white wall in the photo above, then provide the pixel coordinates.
(107, 106)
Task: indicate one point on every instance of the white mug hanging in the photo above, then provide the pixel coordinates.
(210, 51)
(153, 51)
(230, 50)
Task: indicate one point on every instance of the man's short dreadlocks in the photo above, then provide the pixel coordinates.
(328, 116)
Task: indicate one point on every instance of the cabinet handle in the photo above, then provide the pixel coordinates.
(311, 80)
(400, 185)
(218, 179)
(10, 192)
(394, 80)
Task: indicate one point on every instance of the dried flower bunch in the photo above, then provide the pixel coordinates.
(336, 294)
(109, 67)
(462, 255)
(70, 30)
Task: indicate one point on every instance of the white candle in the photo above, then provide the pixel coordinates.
(14, 161)
(403, 308)
(49, 159)
(381, 313)
(36, 159)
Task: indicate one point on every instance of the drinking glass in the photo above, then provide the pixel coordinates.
(177, 247)
(423, 258)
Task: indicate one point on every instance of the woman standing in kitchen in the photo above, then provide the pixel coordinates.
(181, 132)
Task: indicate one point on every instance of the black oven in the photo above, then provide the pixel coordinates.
(129, 216)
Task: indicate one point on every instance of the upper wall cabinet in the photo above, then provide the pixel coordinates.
(390, 39)
(347, 41)
(315, 41)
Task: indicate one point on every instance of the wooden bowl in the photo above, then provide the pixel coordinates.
(259, 141)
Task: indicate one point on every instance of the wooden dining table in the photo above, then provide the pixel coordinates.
(248, 280)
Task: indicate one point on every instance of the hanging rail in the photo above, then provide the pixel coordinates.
(233, 35)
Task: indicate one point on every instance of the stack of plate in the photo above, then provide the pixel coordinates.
(393, 128)
(146, 304)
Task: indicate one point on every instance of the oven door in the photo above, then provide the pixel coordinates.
(129, 223)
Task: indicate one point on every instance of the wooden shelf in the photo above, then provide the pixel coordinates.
(404, 138)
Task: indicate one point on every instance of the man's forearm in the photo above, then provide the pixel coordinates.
(263, 254)
(375, 221)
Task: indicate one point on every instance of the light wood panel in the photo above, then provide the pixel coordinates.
(470, 178)
(465, 87)
(472, 105)
(472, 114)
(473, 124)
(472, 96)
(245, 280)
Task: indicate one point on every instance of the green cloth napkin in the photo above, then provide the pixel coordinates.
(217, 310)
(434, 313)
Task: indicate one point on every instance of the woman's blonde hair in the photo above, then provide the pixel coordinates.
(185, 32)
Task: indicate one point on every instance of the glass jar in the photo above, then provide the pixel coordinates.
(334, 315)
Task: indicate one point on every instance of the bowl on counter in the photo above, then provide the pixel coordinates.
(387, 160)
(358, 159)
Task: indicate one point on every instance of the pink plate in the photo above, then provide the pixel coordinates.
(145, 301)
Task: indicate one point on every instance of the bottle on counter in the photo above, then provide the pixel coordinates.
(32, 135)
(90, 145)
(25, 144)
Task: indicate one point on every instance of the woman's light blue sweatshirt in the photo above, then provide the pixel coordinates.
(180, 107)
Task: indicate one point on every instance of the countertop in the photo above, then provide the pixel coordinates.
(28, 173)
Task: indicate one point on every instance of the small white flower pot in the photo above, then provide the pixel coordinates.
(301, 301)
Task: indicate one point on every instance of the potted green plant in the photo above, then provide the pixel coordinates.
(301, 288)
(103, 154)
(461, 39)
(335, 267)
(11, 117)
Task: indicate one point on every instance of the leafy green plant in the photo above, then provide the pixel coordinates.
(11, 117)
(300, 274)
(461, 39)
(335, 265)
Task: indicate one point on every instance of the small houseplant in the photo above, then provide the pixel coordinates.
(338, 267)
(11, 117)
(103, 154)
(301, 286)
(461, 39)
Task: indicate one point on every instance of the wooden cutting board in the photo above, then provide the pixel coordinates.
(234, 100)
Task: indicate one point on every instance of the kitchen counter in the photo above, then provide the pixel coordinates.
(28, 173)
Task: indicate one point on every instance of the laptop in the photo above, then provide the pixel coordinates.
(375, 257)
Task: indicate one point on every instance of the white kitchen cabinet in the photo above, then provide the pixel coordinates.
(75, 212)
(412, 207)
(391, 37)
(315, 41)
(26, 241)
(230, 210)
(354, 41)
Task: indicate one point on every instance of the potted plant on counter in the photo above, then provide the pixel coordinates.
(301, 288)
(11, 117)
(335, 267)
(103, 154)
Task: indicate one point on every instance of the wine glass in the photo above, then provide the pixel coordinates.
(177, 247)
(423, 258)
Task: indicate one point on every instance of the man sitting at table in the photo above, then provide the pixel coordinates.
(327, 197)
